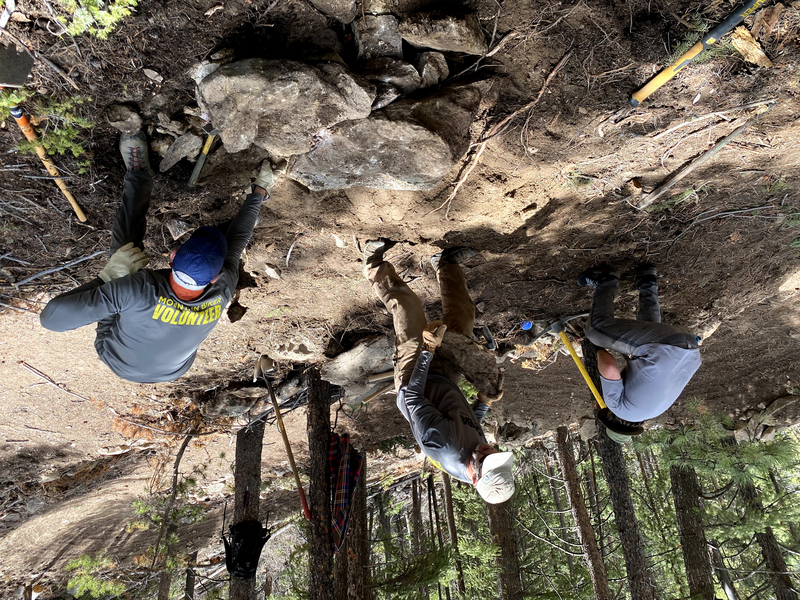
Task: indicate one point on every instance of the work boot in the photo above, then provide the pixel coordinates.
(452, 256)
(134, 151)
(595, 275)
(375, 249)
(646, 276)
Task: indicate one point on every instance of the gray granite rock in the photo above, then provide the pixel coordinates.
(444, 32)
(432, 67)
(377, 36)
(397, 73)
(385, 96)
(124, 119)
(341, 10)
(186, 146)
(409, 145)
(280, 105)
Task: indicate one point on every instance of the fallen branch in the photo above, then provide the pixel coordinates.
(495, 130)
(155, 429)
(56, 269)
(647, 200)
(49, 380)
(718, 113)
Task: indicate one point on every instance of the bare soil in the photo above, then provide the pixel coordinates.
(546, 200)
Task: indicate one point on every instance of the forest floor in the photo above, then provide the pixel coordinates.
(546, 200)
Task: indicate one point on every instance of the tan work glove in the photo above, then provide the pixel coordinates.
(432, 335)
(269, 173)
(126, 261)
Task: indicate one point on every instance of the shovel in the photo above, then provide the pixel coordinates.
(14, 69)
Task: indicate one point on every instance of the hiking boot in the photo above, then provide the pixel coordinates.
(646, 276)
(452, 256)
(593, 276)
(375, 249)
(134, 151)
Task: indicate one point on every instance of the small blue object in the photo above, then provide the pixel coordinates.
(526, 325)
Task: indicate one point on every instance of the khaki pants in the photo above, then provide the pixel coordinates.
(409, 316)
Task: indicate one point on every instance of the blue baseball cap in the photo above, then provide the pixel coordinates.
(200, 259)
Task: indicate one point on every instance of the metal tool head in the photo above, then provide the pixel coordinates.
(14, 66)
(209, 129)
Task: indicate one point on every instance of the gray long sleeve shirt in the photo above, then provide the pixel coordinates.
(651, 382)
(441, 419)
(145, 333)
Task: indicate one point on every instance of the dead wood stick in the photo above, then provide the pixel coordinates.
(18, 308)
(662, 189)
(497, 129)
(379, 392)
(155, 429)
(56, 269)
(718, 113)
(380, 377)
(49, 380)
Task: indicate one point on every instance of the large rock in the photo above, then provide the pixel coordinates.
(186, 146)
(444, 32)
(377, 36)
(390, 71)
(280, 105)
(409, 145)
(342, 10)
(398, 7)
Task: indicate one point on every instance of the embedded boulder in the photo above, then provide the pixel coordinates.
(444, 32)
(409, 145)
(390, 71)
(432, 67)
(280, 105)
(376, 36)
(341, 10)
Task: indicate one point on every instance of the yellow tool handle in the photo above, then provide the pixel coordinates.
(26, 128)
(667, 74)
(207, 145)
(581, 368)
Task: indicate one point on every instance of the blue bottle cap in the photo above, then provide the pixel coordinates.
(526, 325)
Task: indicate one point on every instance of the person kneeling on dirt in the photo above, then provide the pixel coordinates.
(661, 358)
(444, 425)
(150, 323)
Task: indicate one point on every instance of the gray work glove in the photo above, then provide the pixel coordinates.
(126, 261)
(269, 173)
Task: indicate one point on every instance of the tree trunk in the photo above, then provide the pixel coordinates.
(501, 527)
(438, 527)
(386, 531)
(770, 550)
(188, 590)
(340, 575)
(358, 568)
(319, 438)
(640, 580)
(686, 497)
(591, 553)
(559, 510)
(451, 525)
(430, 521)
(247, 487)
(416, 520)
(721, 570)
(594, 494)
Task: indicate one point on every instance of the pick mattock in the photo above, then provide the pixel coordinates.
(14, 69)
(710, 39)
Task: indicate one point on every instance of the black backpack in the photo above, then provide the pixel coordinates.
(243, 550)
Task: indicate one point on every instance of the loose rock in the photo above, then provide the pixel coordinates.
(385, 96)
(186, 146)
(341, 10)
(409, 145)
(432, 67)
(397, 73)
(280, 105)
(444, 32)
(124, 119)
(378, 36)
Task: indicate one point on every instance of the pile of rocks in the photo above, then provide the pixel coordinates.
(384, 121)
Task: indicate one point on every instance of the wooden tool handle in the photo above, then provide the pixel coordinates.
(30, 134)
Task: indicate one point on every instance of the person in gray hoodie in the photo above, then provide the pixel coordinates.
(150, 323)
(661, 358)
(443, 423)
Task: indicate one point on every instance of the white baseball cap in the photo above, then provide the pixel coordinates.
(496, 484)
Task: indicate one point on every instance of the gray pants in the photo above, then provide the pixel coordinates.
(130, 223)
(627, 336)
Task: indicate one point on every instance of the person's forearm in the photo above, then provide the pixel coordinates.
(607, 365)
(241, 227)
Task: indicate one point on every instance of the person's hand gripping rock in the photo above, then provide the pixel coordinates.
(126, 261)
(269, 173)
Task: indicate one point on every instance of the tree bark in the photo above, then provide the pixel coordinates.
(319, 434)
(591, 553)
(686, 497)
(559, 510)
(358, 568)
(770, 550)
(419, 532)
(247, 488)
(188, 590)
(340, 575)
(430, 522)
(640, 579)
(451, 525)
(438, 528)
(725, 581)
(501, 527)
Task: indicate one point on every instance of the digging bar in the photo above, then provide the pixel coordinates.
(14, 69)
